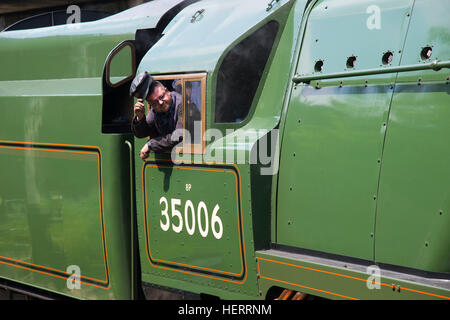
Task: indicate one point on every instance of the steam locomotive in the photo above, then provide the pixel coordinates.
(315, 163)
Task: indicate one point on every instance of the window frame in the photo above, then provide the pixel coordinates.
(201, 77)
(111, 56)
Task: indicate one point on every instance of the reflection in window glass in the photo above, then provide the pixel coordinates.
(192, 104)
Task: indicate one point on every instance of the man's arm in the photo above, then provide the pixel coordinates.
(142, 126)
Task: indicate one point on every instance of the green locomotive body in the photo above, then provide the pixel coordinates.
(314, 160)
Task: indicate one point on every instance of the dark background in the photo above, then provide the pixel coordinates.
(26, 14)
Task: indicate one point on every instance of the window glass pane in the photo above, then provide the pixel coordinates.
(191, 88)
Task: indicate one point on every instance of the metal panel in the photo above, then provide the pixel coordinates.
(203, 228)
(191, 45)
(329, 169)
(414, 204)
(55, 206)
(343, 280)
(333, 138)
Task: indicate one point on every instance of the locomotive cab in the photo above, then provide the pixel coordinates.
(314, 156)
(193, 198)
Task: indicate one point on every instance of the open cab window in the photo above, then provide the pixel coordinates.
(192, 87)
(118, 73)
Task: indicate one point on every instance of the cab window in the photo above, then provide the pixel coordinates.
(192, 88)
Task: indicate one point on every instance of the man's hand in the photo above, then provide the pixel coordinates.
(139, 109)
(145, 152)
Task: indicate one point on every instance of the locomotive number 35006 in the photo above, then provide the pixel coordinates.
(191, 217)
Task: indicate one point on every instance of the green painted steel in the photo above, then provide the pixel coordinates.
(229, 274)
(340, 164)
(362, 167)
(206, 229)
(333, 137)
(65, 191)
(342, 281)
(412, 219)
(329, 169)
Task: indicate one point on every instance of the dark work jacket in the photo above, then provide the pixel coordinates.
(161, 126)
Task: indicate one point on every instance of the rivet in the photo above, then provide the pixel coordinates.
(441, 212)
(340, 84)
(299, 121)
(366, 83)
(379, 160)
(426, 243)
(374, 197)
(419, 81)
(294, 154)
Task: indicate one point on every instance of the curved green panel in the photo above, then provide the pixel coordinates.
(198, 44)
(338, 29)
(73, 50)
(329, 169)
(48, 216)
(59, 200)
(334, 133)
(414, 204)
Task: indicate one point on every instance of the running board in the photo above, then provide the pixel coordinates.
(334, 279)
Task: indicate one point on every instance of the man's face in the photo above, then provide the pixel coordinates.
(160, 99)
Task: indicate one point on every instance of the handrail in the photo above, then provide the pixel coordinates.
(435, 65)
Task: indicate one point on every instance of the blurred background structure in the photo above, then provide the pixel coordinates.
(28, 14)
